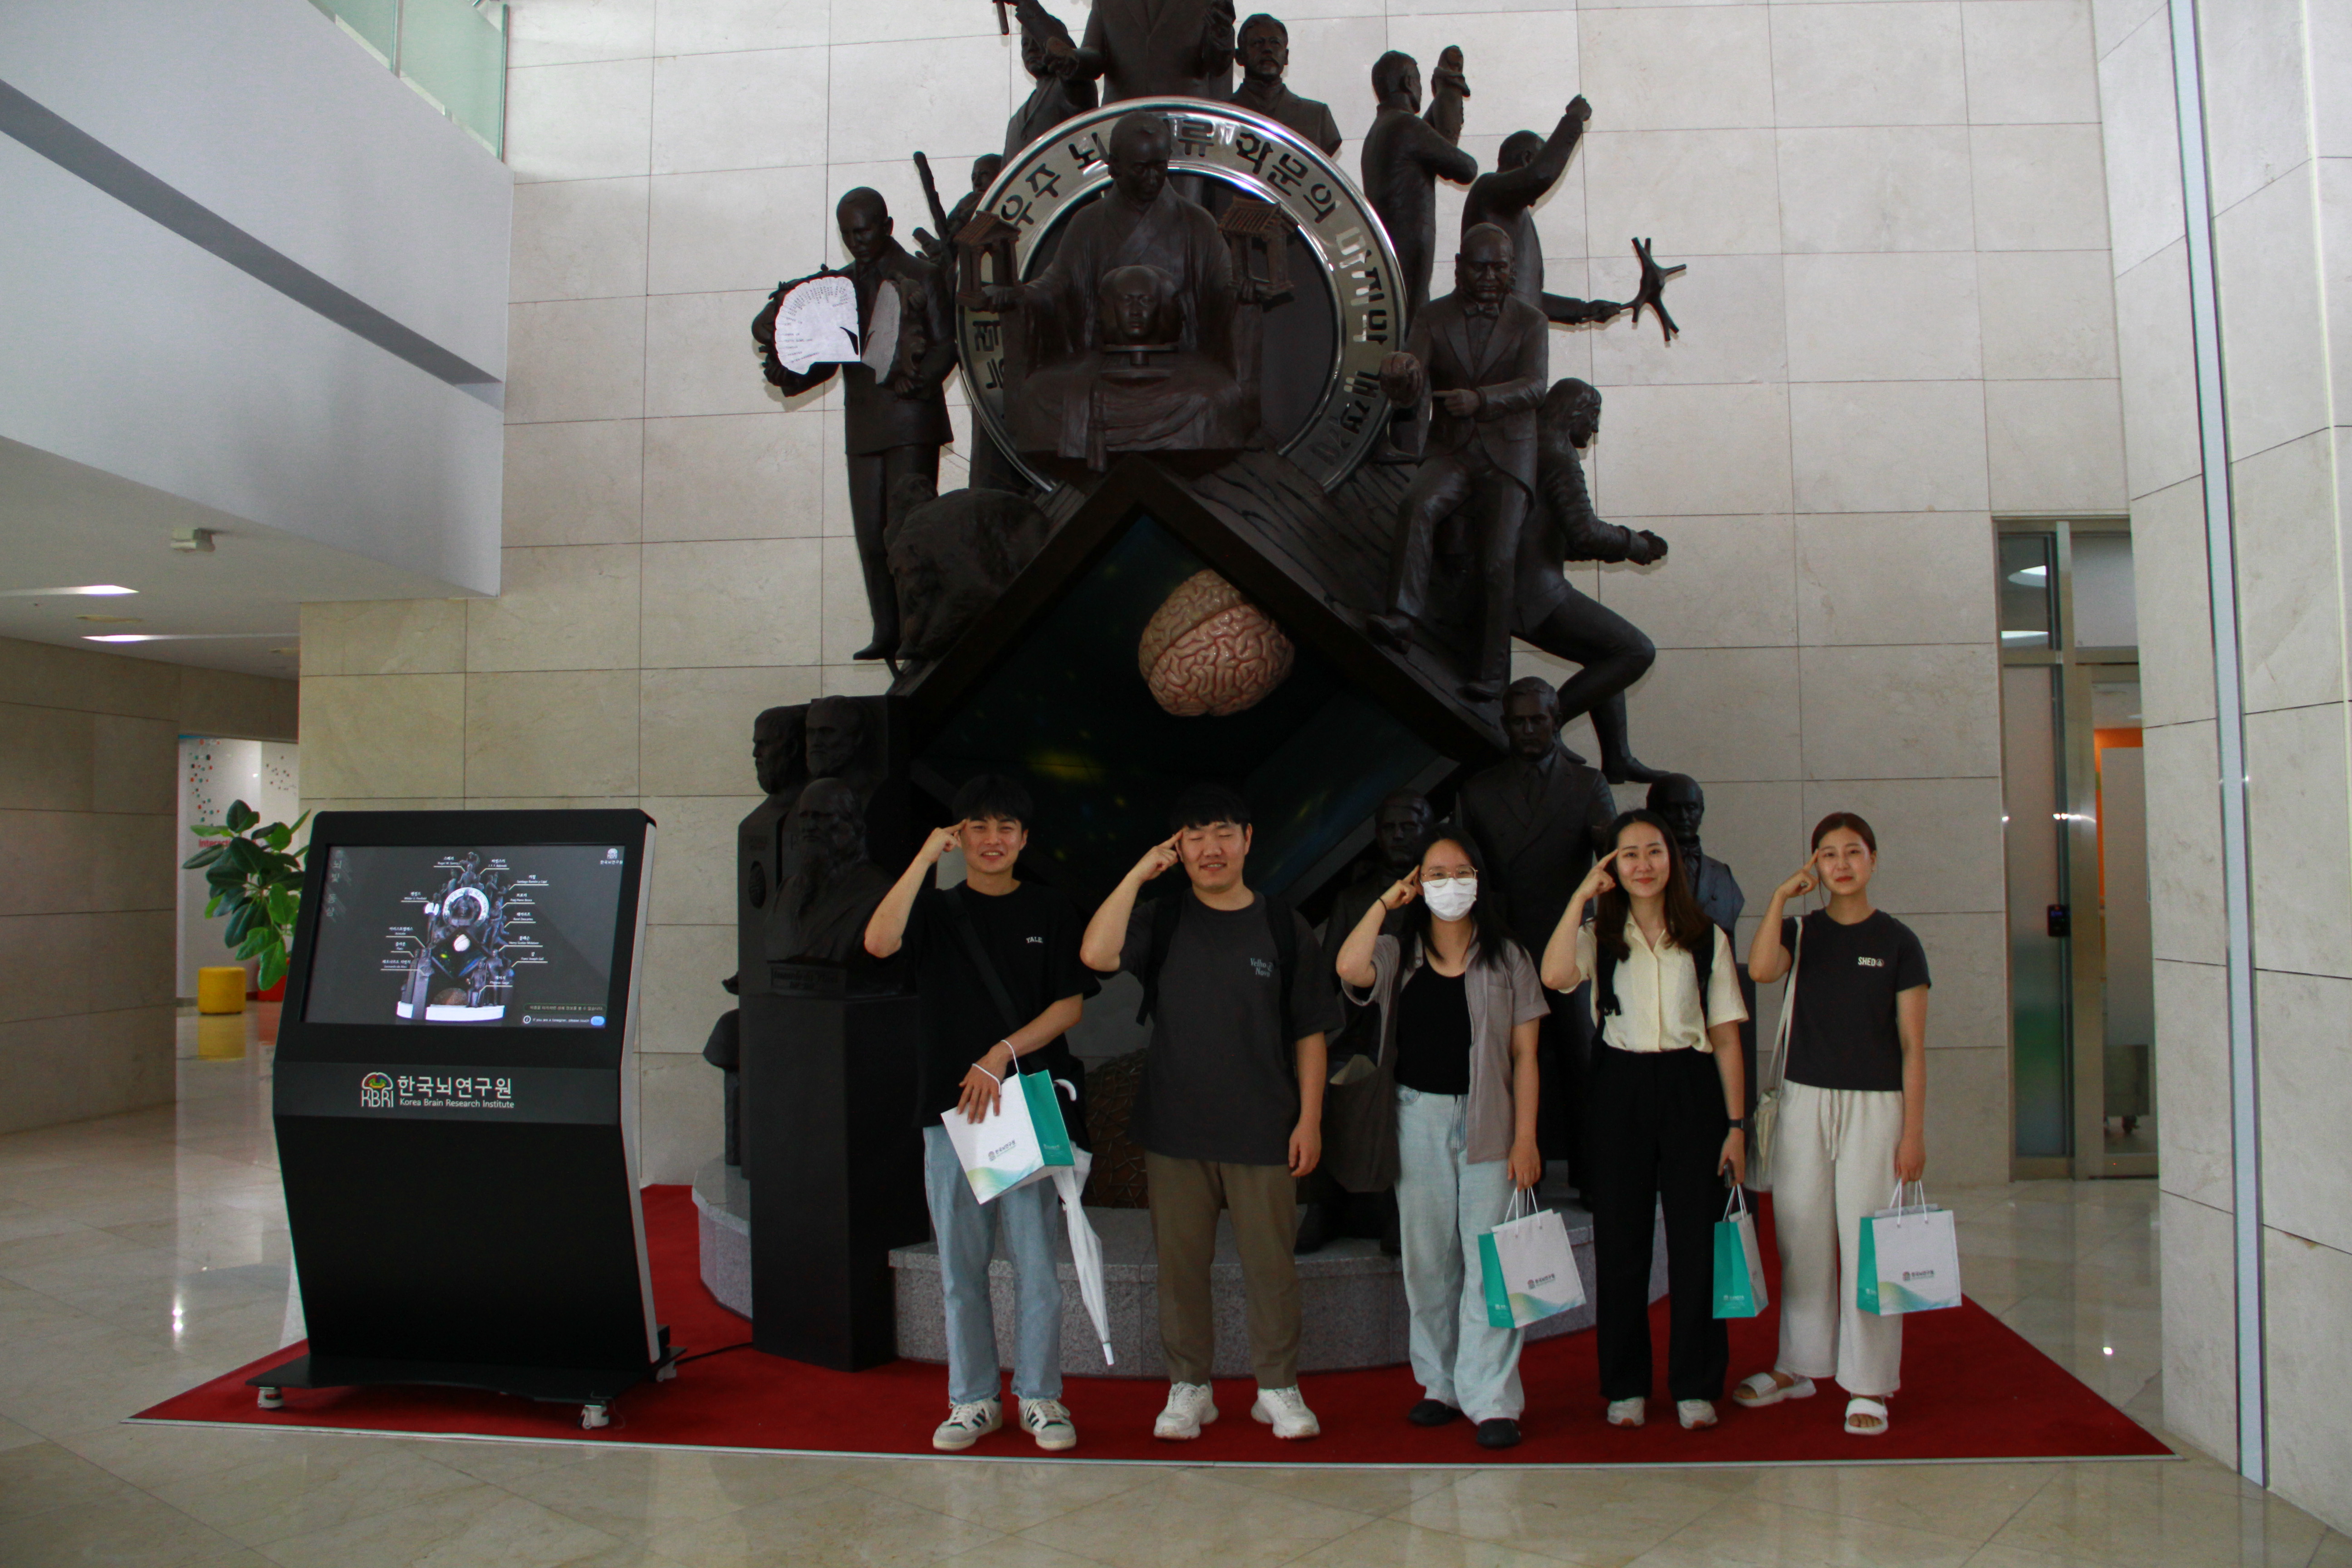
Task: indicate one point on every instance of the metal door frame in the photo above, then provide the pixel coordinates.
(2086, 1020)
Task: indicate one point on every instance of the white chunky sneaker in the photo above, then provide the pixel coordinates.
(1190, 1409)
(1286, 1413)
(1695, 1414)
(1628, 1412)
(1048, 1421)
(967, 1424)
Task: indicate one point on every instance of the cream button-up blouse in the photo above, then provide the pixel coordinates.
(1658, 1004)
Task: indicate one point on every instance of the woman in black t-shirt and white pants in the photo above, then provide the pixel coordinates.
(1852, 1118)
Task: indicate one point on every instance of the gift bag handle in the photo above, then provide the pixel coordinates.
(1895, 1204)
(1520, 1196)
(1737, 1203)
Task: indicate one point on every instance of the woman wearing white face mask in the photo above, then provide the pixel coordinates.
(1459, 1004)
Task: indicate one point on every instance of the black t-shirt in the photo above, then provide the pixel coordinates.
(1221, 1081)
(1433, 1034)
(1031, 932)
(1843, 1034)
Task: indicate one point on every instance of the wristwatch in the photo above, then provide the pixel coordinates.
(1740, 1124)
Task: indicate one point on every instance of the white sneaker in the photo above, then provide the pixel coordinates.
(1628, 1412)
(967, 1424)
(1048, 1421)
(1695, 1414)
(1190, 1409)
(1286, 1413)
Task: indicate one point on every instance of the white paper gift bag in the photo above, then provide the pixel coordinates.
(1910, 1259)
(1002, 1150)
(1528, 1266)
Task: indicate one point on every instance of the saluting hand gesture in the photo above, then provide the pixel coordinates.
(1598, 880)
(1159, 857)
(1402, 891)
(1806, 878)
(942, 840)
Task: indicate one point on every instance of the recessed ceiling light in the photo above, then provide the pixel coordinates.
(112, 620)
(179, 636)
(86, 590)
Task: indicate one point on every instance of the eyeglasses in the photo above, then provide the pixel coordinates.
(1430, 879)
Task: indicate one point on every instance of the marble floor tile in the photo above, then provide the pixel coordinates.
(1568, 1516)
(1761, 1533)
(1010, 1498)
(129, 1528)
(1187, 1517)
(841, 1523)
(1968, 1502)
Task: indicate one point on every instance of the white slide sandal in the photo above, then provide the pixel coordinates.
(1862, 1405)
(1766, 1388)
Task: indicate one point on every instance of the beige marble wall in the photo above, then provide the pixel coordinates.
(2277, 141)
(88, 801)
(1896, 322)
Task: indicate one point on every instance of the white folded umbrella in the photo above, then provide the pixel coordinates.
(1086, 1248)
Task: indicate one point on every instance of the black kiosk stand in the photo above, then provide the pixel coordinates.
(456, 1106)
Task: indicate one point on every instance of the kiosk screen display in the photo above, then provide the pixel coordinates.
(499, 935)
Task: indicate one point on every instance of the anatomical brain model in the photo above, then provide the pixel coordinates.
(1208, 651)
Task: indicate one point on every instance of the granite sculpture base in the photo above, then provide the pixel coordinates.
(1351, 1299)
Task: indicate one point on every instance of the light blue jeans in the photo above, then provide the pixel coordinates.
(966, 1230)
(1445, 1204)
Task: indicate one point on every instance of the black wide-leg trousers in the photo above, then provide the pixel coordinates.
(1654, 1131)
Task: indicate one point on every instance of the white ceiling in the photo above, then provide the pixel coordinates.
(63, 523)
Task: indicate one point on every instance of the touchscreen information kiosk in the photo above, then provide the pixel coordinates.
(456, 1088)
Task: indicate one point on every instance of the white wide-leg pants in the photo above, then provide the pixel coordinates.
(1832, 1162)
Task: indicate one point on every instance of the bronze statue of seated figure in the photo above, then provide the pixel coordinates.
(1141, 390)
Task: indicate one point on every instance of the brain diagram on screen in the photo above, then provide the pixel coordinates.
(460, 967)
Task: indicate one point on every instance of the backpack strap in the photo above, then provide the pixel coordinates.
(1165, 912)
(1604, 978)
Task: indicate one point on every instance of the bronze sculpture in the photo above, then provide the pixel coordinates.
(1553, 614)
(1405, 155)
(830, 887)
(1678, 799)
(778, 745)
(894, 426)
(1141, 391)
(1526, 167)
(1159, 49)
(1063, 90)
(1069, 399)
(1353, 1193)
(1263, 50)
(1539, 819)
(951, 556)
(1478, 357)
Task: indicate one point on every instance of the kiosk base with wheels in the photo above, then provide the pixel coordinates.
(456, 1107)
(592, 1389)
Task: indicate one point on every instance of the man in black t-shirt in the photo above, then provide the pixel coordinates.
(976, 948)
(1231, 1110)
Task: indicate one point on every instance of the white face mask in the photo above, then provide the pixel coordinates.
(1450, 900)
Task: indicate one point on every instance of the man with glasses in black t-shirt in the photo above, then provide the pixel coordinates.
(994, 936)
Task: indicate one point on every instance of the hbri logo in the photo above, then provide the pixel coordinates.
(375, 1092)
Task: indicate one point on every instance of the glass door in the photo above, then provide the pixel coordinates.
(2082, 1034)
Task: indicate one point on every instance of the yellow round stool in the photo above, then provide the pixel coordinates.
(221, 990)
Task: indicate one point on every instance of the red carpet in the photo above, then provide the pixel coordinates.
(1973, 1390)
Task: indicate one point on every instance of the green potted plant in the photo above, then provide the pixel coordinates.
(255, 876)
